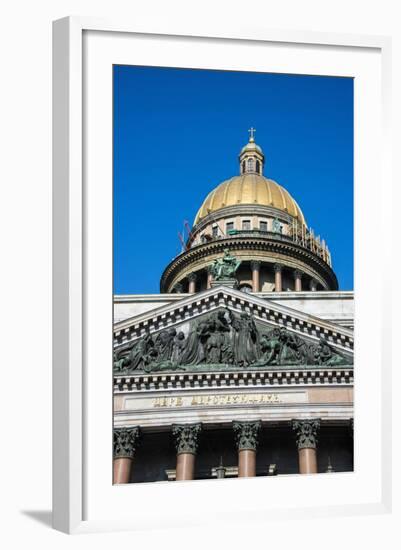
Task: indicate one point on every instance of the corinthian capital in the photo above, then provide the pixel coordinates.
(278, 268)
(255, 265)
(306, 433)
(246, 434)
(125, 441)
(178, 288)
(186, 437)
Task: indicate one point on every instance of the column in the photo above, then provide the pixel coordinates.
(351, 439)
(125, 441)
(298, 280)
(278, 280)
(209, 279)
(178, 288)
(313, 285)
(192, 282)
(186, 441)
(255, 266)
(306, 438)
(246, 437)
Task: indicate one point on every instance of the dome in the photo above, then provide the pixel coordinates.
(251, 146)
(250, 188)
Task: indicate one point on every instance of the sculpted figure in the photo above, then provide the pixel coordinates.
(326, 354)
(178, 347)
(121, 362)
(270, 346)
(194, 348)
(289, 354)
(218, 345)
(225, 267)
(245, 340)
(294, 350)
(276, 225)
(164, 344)
(223, 326)
(303, 351)
(213, 344)
(142, 352)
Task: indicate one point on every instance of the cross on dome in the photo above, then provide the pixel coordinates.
(252, 131)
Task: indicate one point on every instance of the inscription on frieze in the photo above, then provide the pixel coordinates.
(215, 400)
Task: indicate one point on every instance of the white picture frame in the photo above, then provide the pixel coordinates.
(72, 340)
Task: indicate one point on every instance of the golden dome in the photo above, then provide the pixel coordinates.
(250, 147)
(250, 189)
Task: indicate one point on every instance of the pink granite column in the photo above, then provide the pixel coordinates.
(278, 280)
(255, 266)
(298, 280)
(246, 436)
(192, 283)
(125, 441)
(186, 441)
(306, 438)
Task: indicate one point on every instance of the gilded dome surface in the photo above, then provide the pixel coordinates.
(249, 188)
(250, 147)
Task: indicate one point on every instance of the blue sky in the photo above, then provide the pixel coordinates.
(177, 135)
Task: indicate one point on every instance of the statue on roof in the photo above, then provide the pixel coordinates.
(225, 267)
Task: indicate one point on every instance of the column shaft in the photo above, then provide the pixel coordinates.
(306, 432)
(278, 280)
(186, 441)
(255, 266)
(246, 435)
(192, 283)
(209, 280)
(122, 470)
(191, 287)
(246, 463)
(185, 466)
(298, 280)
(307, 461)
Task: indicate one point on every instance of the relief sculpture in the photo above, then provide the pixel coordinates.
(223, 339)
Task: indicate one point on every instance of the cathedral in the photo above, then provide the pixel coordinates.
(243, 364)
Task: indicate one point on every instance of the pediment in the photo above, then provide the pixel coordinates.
(267, 316)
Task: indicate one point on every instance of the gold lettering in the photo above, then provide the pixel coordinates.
(227, 399)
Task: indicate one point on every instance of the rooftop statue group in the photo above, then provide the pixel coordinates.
(225, 267)
(223, 338)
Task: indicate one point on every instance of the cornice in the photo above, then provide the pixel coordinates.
(276, 245)
(282, 377)
(284, 295)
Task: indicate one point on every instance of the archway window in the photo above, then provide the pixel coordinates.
(243, 166)
(258, 167)
(251, 165)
